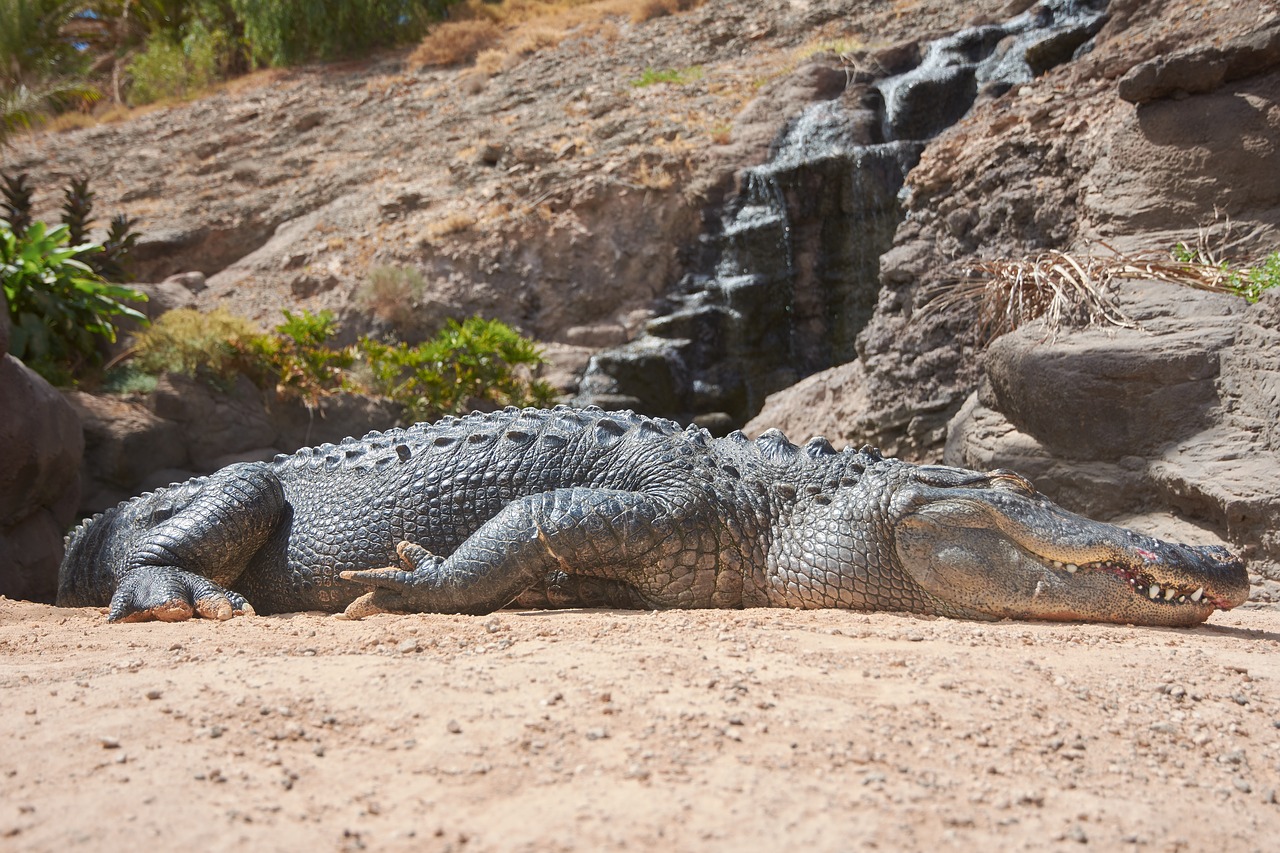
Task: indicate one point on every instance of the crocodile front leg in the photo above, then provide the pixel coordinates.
(621, 536)
(184, 562)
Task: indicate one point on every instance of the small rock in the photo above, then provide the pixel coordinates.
(110, 743)
(453, 727)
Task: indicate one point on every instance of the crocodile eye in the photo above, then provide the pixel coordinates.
(1011, 481)
(163, 513)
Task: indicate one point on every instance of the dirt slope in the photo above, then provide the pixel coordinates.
(756, 730)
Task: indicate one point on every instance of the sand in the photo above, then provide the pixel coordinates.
(604, 730)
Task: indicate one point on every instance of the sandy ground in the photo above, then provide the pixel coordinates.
(744, 730)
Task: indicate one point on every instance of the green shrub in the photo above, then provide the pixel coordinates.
(158, 73)
(1248, 282)
(59, 307)
(299, 359)
(467, 364)
(286, 32)
(674, 76)
(168, 69)
(128, 378)
(212, 346)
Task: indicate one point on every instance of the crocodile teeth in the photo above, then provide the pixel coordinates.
(1170, 593)
(1072, 567)
(1195, 596)
(1154, 592)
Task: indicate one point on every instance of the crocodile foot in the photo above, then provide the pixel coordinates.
(172, 595)
(394, 587)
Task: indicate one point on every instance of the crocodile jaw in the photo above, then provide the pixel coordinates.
(1006, 555)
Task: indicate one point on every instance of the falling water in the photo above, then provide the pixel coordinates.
(796, 254)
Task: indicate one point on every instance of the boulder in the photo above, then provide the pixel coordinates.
(213, 425)
(124, 440)
(1201, 69)
(39, 481)
(1108, 393)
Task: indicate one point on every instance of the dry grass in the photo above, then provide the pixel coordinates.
(1062, 288)
(496, 35)
(456, 42)
(392, 295)
(653, 177)
(839, 47)
(451, 224)
(646, 10)
(1079, 289)
(69, 121)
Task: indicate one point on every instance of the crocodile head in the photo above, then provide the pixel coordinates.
(991, 545)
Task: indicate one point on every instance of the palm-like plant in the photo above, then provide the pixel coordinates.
(39, 63)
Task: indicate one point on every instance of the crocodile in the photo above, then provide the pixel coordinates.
(585, 508)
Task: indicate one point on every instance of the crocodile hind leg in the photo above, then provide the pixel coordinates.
(184, 563)
(579, 531)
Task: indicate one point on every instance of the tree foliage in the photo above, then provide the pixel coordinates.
(286, 32)
(57, 54)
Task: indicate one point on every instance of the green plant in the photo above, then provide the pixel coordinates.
(299, 358)
(170, 68)
(106, 259)
(77, 210)
(674, 76)
(158, 73)
(17, 202)
(59, 307)
(214, 346)
(1248, 281)
(286, 32)
(116, 247)
(465, 365)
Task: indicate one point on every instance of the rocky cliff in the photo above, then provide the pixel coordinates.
(779, 207)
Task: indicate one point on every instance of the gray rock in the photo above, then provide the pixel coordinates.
(1201, 69)
(40, 434)
(1190, 73)
(1250, 381)
(331, 420)
(213, 425)
(125, 441)
(39, 481)
(1099, 394)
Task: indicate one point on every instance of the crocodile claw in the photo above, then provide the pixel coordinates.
(393, 586)
(172, 595)
(374, 601)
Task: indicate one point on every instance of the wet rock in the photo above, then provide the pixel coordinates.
(790, 274)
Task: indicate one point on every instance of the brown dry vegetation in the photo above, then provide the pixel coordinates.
(493, 34)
